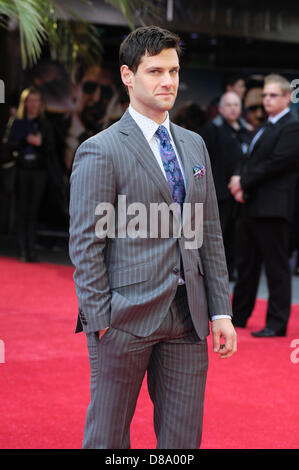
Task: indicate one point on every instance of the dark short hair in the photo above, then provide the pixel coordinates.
(231, 80)
(150, 40)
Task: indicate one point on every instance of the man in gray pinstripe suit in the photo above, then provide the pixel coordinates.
(145, 301)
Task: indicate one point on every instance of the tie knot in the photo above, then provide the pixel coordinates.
(162, 133)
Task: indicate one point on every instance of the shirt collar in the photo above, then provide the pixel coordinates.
(276, 118)
(147, 125)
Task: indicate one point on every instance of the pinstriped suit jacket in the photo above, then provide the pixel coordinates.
(129, 283)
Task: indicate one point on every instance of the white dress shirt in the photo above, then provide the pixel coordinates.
(149, 128)
(278, 116)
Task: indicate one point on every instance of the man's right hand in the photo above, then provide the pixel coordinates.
(234, 184)
(102, 332)
(239, 197)
(34, 139)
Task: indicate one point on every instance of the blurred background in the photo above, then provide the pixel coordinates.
(68, 50)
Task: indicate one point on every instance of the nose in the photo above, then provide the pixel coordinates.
(95, 96)
(167, 81)
(259, 112)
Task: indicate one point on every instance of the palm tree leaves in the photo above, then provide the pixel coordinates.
(26, 14)
(68, 35)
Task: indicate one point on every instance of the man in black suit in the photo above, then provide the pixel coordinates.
(265, 185)
(227, 138)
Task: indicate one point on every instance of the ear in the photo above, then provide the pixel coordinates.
(288, 98)
(126, 75)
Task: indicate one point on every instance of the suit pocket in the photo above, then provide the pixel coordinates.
(128, 276)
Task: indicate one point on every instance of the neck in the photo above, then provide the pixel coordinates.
(276, 114)
(31, 116)
(157, 116)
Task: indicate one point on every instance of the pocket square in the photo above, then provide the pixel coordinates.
(199, 171)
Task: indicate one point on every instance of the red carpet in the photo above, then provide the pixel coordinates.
(251, 399)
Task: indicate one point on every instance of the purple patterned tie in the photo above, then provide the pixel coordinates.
(171, 166)
(174, 175)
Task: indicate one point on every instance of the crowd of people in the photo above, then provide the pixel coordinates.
(148, 306)
(255, 179)
(253, 142)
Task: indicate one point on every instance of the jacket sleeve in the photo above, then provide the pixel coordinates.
(92, 183)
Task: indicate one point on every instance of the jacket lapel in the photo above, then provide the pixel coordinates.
(271, 128)
(187, 167)
(132, 136)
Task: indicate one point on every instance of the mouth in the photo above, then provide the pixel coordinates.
(167, 95)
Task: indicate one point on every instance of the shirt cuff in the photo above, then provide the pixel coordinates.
(217, 317)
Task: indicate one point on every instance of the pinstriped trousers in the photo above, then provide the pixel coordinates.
(176, 362)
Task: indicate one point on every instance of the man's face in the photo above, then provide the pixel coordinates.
(153, 88)
(230, 108)
(274, 99)
(94, 96)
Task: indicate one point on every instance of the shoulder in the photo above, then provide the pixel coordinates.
(288, 129)
(96, 152)
(294, 121)
(16, 122)
(16, 127)
(289, 121)
(289, 133)
(100, 141)
(186, 135)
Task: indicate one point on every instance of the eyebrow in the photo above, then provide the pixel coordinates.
(154, 67)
